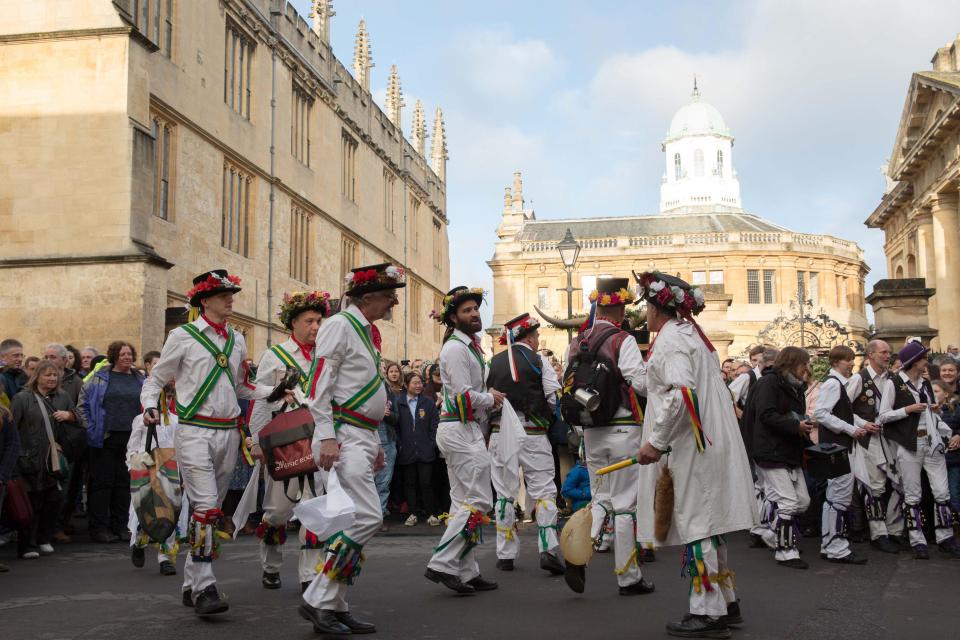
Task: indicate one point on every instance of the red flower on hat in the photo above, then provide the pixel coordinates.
(665, 296)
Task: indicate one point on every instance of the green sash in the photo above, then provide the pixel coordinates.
(370, 389)
(290, 362)
(221, 365)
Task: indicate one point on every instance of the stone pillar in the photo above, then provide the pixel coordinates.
(900, 310)
(926, 264)
(714, 319)
(946, 252)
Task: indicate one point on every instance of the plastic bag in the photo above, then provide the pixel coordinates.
(328, 514)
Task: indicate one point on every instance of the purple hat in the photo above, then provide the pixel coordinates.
(911, 352)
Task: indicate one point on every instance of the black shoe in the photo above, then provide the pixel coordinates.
(551, 563)
(187, 598)
(303, 587)
(903, 542)
(324, 620)
(482, 584)
(638, 588)
(167, 568)
(505, 564)
(793, 563)
(733, 614)
(647, 555)
(850, 558)
(355, 626)
(575, 575)
(210, 602)
(451, 582)
(270, 580)
(858, 537)
(920, 552)
(104, 537)
(949, 547)
(137, 557)
(756, 541)
(884, 544)
(699, 627)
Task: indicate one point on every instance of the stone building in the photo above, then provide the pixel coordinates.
(145, 141)
(918, 212)
(754, 269)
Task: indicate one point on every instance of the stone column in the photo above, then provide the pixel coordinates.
(714, 319)
(946, 251)
(900, 308)
(926, 267)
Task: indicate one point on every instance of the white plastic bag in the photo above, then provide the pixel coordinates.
(507, 451)
(327, 514)
(858, 463)
(248, 501)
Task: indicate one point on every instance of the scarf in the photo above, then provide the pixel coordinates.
(221, 329)
(305, 348)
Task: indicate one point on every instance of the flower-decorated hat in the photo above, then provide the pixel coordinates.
(670, 294)
(452, 301)
(611, 292)
(519, 328)
(299, 301)
(375, 277)
(210, 284)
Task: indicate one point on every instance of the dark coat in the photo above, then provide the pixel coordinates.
(9, 447)
(34, 444)
(952, 418)
(416, 440)
(773, 413)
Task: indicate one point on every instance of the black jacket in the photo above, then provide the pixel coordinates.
(416, 439)
(775, 428)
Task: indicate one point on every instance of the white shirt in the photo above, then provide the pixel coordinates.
(347, 367)
(741, 385)
(187, 361)
(928, 419)
(270, 372)
(462, 373)
(412, 405)
(829, 395)
(855, 386)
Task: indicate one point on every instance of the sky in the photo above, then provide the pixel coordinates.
(579, 95)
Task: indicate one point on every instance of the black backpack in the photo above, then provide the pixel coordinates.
(587, 370)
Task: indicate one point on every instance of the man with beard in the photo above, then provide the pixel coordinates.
(301, 313)
(347, 404)
(465, 407)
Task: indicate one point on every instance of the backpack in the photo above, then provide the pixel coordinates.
(588, 370)
(286, 443)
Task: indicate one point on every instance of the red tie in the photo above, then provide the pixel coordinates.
(305, 349)
(221, 329)
(377, 339)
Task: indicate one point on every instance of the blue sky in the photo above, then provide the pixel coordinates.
(579, 95)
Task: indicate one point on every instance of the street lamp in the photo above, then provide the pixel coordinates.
(569, 252)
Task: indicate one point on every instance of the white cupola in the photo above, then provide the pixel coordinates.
(698, 154)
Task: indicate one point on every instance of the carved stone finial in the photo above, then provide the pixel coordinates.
(394, 100)
(507, 199)
(438, 151)
(362, 56)
(418, 136)
(517, 190)
(321, 11)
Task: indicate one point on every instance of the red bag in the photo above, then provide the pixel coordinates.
(286, 443)
(17, 508)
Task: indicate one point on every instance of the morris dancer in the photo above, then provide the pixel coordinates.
(301, 313)
(207, 358)
(531, 386)
(465, 408)
(689, 415)
(347, 405)
(911, 420)
(609, 443)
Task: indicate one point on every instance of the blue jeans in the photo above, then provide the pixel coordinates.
(953, 478)
(385, 475)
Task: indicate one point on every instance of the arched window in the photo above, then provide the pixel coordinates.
(698, 163)
(720, 163)
(677, 169)
(911, 266)
(899, 273)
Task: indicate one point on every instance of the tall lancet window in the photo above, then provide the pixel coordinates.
(720, 163)
(698, 163)
(677, 168)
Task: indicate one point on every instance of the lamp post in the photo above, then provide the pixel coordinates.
(569, 252)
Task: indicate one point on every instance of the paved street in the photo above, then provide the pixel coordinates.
(92, 591)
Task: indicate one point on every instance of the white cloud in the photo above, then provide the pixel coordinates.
(496, 65)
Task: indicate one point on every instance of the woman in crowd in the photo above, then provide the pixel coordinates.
(9, 452)
(73, 358)
(394, 378)
(108, 404)
(388, 439)
(949, 402)
(433, 390)
(41, 402)
(433, 386)
(417, 419)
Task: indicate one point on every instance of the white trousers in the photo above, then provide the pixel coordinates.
(601, 528)
(536, 461)
(765, 527)
(358, 451)
(468, 468)
(604, 446)
(786, 491)
(205, 458)
(928, 457)
(277, 512)
(891, 522)
(713, 602)
(834, 524)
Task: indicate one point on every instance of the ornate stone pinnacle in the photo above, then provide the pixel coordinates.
(394, 100)
(362, 56)
(418, 137)
(321, 11)
(438, 150)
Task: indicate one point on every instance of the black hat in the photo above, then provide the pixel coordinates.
(211, 283)
(611, 292)
(519, 328)
(670, 293)
(456, 297)
(375, 277)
